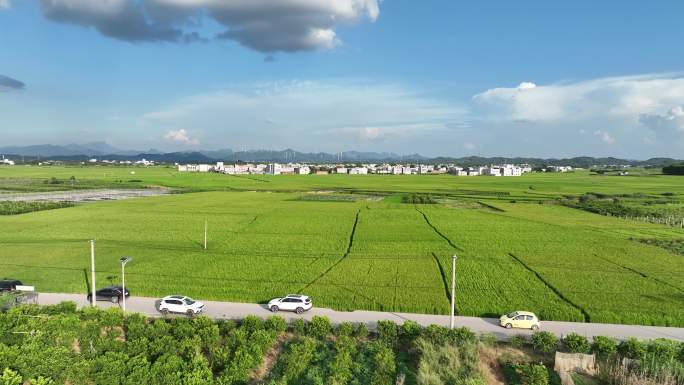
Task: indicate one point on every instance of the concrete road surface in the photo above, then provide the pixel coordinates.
(235, 310)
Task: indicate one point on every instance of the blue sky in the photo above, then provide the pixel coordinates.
(529, 78)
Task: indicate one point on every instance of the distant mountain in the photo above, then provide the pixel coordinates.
(102, 150)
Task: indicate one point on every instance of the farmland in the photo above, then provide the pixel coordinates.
(268, 236)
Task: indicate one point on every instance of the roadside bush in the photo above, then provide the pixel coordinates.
(518, 340)
(462, 335)
(488, 339)
(632, 348)
(436, 334)
(344, 329)
(409, 331)
(385, 367)
(663, 349)
(319, 327)
(544, 341)
(604, 346)
(276, 324)
(388, 332)
(447, 363)
(298, 326)
(361, 331)
(533, 374)
(576, 343)
(252, 323)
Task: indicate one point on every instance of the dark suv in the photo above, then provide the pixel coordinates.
(109, 293)
(9, 284)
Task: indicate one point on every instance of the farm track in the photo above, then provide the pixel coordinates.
(349, 246)
(438, 232)
(560, 295)
(643, 275)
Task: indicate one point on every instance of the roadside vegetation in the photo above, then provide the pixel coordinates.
(18, 207)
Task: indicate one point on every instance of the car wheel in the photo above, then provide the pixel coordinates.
(274, 308)
(300, 310)
(114, 299)
(164, 311)
(508, 326)
(190, 313)
(535, 327)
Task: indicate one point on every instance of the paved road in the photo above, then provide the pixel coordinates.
(234, 310)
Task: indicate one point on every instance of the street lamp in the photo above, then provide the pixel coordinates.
(453, 290)
(124, 261)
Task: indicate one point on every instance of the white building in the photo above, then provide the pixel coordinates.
(6, 161)
(273, 169)
(341, 170)
(302, 170)
(358, 171)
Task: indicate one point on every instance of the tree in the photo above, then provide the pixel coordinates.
(675, 169)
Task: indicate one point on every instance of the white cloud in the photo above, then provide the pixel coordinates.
(604, 136)
(5, 4)
(625, 98)
(470, 146)
(263, 25)
(671, 122)
(311, 115)
(181, 137)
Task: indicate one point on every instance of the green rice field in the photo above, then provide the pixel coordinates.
(269, 236)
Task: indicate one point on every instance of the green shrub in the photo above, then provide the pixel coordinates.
(388, 332)
(10, 377)
(298, 326)
(544, 341)
(319, 327)
(663, 349)
(361, 330)
(447, 363)
(462, 335)
(436, 334)
(518, 340)
(604, 346)
(632, 348)
(410, 330)
(384, 366)
(533, 374)
(276, 324)
(226, 326)
(252, 323)
(576, 343)
(344, 329)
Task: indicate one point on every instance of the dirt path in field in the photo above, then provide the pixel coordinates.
(437, 231)
(78, 196)
(270, 359)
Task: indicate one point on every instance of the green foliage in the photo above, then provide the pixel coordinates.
(663, 349)
(361, 330)
(319, 327)
(419, 199)
(543, 341)
(488, 339)
(384, 366)
(575, 343)
(533, 374)
(19, 207)
(10, 377)
(632, 348)
(675, 169)
(447, 364)
(388, 332)
(604, 346)
(276, 324)
(298, 326)
(409, 331)
(518, 340)
(345, 329)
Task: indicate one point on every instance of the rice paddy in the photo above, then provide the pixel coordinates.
(366, 252)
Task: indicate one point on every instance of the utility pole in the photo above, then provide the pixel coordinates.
(453, 290)
(92, 273)
(124, 261)
(206, 224)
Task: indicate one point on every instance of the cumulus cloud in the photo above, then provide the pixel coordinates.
(5, 4)
(617, 97)
(263, 25)
(604, 136)
(9, 84)
(312, 115)
(181, 137)
(671, 122)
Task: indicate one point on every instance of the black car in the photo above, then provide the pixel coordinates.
(109, 293)
(9, 284)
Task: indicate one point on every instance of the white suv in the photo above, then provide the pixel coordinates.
(292, 302)
(180, 304)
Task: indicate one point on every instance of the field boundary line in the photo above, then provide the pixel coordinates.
(437, 231)
(560, 295)
(443, 275)
(643, 275)
(349, 246)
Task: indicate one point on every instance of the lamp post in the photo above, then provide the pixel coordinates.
(124, 261)
(92, 272)
(453, 290)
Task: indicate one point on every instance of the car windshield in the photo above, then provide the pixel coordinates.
(189, 301)
(511, 315)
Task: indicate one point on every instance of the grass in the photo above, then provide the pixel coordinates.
(15, 208)
(353, 251)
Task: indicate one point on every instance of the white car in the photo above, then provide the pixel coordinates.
(292, 302)
(180, 304)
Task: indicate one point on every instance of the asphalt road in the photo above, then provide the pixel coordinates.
(235, 310)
